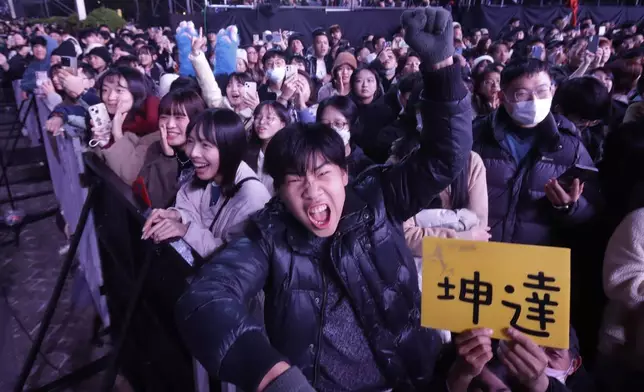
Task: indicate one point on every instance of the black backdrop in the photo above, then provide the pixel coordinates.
(358, 23)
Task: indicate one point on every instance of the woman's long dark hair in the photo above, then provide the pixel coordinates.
(224, 129)
(480, 103)
(379, 89)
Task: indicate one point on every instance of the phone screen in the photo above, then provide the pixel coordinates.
(593, 44)
(602, 30)
(277, 37)
(537, 52)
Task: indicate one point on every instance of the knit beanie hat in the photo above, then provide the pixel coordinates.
(101, 52)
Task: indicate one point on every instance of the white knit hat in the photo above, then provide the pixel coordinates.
(165, 82)
(241, 54)
(478, 60)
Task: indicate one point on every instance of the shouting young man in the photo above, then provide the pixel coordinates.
(342, 304)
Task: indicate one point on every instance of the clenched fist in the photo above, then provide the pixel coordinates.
(429, 32)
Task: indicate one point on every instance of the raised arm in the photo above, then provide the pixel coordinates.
(444, 116)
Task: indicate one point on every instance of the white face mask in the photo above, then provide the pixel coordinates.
(529, 112)
(370, 58)
(276, 75)
(560, 375)
(344, 134)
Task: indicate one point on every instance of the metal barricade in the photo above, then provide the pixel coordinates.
(64, 158)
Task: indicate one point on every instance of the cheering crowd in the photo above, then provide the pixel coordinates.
(307, 177)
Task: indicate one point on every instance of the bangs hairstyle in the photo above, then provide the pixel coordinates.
(342, 104)
(241, 77)
(279, 110)
(224, 129)
(176, 101)
(293, 149)
(135, 84)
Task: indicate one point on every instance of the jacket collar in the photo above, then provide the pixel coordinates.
(548, 137)
(354, 214)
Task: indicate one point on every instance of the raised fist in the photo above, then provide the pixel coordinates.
(429, 32)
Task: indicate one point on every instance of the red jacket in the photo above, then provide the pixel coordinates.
(147, 121)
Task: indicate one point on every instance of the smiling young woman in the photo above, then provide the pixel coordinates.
(212, 207)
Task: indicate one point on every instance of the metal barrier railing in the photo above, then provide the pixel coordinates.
(134, 284)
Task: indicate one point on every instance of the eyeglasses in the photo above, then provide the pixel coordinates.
(268, 119)
(542, 92)
(336, 124)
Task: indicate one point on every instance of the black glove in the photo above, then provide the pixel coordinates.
(429, 32)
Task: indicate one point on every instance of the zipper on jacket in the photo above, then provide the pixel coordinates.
(320, 333)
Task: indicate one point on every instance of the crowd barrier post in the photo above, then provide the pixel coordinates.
(55, 296)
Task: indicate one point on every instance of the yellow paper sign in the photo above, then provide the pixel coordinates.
(468, 284)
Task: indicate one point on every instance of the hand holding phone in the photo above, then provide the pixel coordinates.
(291, 70)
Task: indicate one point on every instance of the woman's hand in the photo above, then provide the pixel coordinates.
(474, 349)
(165, 147)
(300, 102)
(54, 125)
(525, 360)
(158, 215)
(250, 100)
(289, 88)
(47, 87)
(198, 43)
(118, 120)
(166, 229)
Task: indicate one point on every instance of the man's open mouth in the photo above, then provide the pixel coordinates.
(319, 215)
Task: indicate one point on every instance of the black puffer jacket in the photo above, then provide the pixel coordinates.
(519, 211)
(367, 257)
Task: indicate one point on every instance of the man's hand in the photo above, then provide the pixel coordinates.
(429, 32)
(559, 197)
(525, 360)
(272, 374)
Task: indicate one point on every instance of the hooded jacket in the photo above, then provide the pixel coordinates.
(28, 83)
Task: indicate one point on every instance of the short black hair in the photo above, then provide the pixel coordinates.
(224, 129)
(516, 69)
(38, 40)
(272, 54)
(186, 82)
(342, 104)
(292, 150)
(126, 61)
(586, 98)
(409, 82)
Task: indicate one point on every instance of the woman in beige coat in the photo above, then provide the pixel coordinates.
(212, 208)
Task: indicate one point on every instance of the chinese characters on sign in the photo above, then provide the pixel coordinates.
(475, 284)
